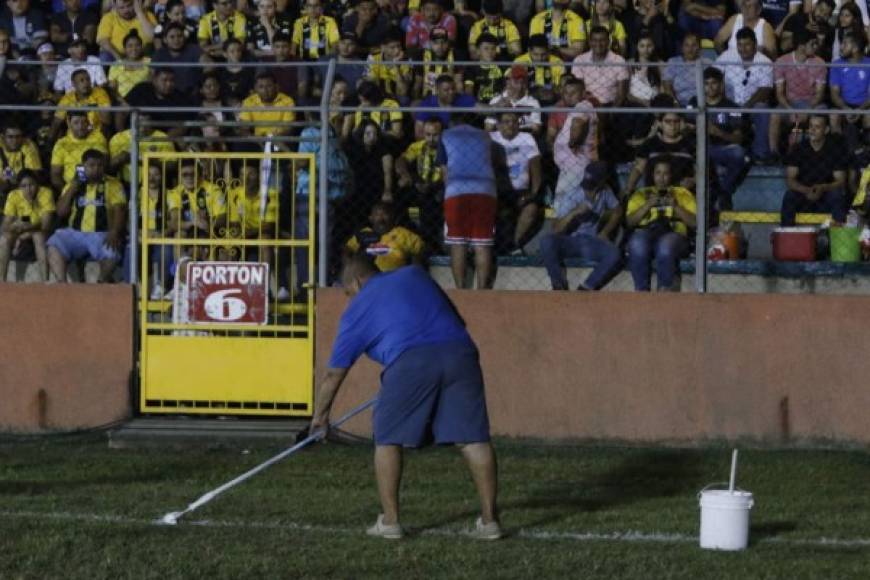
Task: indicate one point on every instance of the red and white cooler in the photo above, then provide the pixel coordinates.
(794, 244)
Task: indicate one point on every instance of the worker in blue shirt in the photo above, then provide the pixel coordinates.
(431, 386)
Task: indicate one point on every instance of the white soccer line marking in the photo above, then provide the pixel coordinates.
(528, 533)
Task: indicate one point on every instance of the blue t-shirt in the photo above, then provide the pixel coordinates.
(432, 101)
(395, 311)
(467, 153)
(854, 81)
(588, 222)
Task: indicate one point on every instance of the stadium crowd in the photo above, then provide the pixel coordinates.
(65, 175)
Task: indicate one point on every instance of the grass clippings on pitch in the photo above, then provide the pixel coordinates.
(72, 508)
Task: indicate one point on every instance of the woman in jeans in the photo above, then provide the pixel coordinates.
(661, 216)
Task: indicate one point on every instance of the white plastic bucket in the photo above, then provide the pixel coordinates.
(725, 518)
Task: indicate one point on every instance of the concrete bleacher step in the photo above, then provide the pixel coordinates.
(761, 191)
(28, 272)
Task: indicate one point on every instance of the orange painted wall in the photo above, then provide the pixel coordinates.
(664, 367)
(74, 342)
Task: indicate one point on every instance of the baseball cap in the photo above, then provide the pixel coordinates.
(596, 174)
(349, 35)
(439, 33)
(517, 72)
(493, 6)
(45, 48)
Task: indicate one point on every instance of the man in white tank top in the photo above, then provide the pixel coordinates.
(750, 17)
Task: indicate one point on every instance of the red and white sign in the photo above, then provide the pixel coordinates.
(228, 292)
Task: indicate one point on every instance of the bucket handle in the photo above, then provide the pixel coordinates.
(722, 483)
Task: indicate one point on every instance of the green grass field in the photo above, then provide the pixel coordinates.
(72, 508)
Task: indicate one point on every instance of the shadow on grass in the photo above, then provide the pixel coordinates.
(758, 532)
(646, 474)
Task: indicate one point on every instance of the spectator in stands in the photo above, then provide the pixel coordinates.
(797, 87)
(702, 17)
(237, 80)
(679, 75)
(315, 36)
(219, 26)
(516, 95)
(465, 156)
(388, 69)
(372, 162)
(95, 205)
(775, 11)
(17, 153)
(849, 22)
(176, 13)
(262, 30)
(123, 77)
(608, 84)
(644, 84)
(670, 141)
(286, 76)
(78, 59)
(250, 215)
(439, 50)
(27, 217)
(727, 132)
(850, 89)
(161, 257)
(576, 143)
(546, 69)
(562, 29)
(121, 144)
(209, 97)
(389, 245)
(44, 76)
(586, 220)
(519, 196)
(815, 175)
(84, 95)
(602, 14)
(161, 93)
(816, 21)
(648, 20)
(508, 41)
(750, 84)
(661, 216)
(368, 25)
(266, 94)
(748, 17)
(73, 23)
(25, 24)
(387, 118)
(68, 150)
(421, 25)
(176, 50)
(485, 80)
(421, 184)
(347, 63)
(197, 207)
(126, 15)
(445, 97)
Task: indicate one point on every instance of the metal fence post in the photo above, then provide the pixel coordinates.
(134, 198)
(701, 182)
(322, 184)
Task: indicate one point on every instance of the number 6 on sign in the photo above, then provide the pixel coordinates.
(228, 292)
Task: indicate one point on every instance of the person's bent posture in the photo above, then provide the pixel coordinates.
(431, 387)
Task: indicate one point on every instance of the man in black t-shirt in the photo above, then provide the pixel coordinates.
(670, 140)
(160, 91)
(727, 132)
(816, 175)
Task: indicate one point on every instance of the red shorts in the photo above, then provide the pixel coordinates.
(469, 219)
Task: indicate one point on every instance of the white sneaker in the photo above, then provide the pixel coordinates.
(482, 531)
(386, 531)
(283, 295)
(170, 295)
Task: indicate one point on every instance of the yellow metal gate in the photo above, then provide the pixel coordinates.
(227, 207)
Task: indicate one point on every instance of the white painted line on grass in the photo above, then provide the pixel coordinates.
(629, 536)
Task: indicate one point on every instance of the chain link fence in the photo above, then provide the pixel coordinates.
(526, 175)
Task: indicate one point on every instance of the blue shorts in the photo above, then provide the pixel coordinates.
(75, 245)
(432, 393)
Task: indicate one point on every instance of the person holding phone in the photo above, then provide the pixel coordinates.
(661, 216)
(29, 212)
